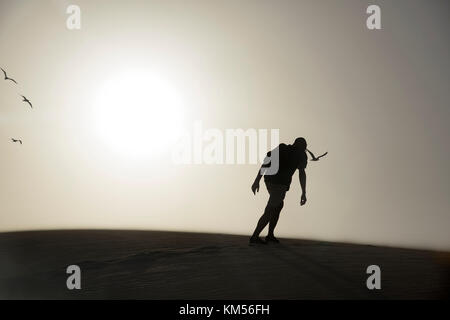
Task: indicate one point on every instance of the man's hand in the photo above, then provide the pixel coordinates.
(255, 187)
(303, 199)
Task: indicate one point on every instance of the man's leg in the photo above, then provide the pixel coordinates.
(273, 208)
(264, 220)
(274, 219)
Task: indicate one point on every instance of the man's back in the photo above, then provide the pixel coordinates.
(289, 161)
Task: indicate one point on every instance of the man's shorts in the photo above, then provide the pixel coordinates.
(277, 193)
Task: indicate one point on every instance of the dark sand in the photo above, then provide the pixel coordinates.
(169, 265)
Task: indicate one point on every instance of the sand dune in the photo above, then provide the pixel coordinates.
(168, 265)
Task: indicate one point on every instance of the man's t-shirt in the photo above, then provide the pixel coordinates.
(289, 161)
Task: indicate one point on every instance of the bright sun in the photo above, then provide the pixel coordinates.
(138, 114)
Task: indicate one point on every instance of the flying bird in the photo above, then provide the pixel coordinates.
(7, 78)
(16, 140)
(27, 101)
(314, 158)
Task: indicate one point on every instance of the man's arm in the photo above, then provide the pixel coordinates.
(255, 185)
(261, 171)
(302, 178)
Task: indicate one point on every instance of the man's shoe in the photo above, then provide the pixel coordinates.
(256, 240)
(272, 239)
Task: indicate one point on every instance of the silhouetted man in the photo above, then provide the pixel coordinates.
(291, 158)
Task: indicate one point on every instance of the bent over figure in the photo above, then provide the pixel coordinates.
(290, 158)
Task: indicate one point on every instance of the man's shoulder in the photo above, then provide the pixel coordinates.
(279, 148)
(282, 147)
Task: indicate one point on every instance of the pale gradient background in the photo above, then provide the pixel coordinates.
(378, 101)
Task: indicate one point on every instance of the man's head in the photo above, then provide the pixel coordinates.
(300, 143)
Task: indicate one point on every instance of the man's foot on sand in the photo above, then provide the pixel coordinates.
(272, 239)
(256, 241)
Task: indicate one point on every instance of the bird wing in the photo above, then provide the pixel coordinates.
(28, 101)
(12, 80)
(4, 72)
(323, 155)
(312, 154)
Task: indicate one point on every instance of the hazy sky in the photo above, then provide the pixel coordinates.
(377, 101)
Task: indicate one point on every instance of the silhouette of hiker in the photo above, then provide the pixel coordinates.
(291, 157)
